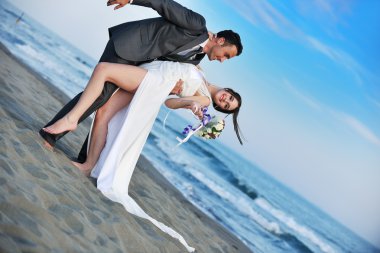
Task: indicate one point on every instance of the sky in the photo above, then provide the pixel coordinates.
(309, 78)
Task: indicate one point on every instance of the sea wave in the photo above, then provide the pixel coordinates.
(295, 243)
(294, 225)
(40, 57)
(11, 38)
(240, 203)
(14, 15)
(226, 173)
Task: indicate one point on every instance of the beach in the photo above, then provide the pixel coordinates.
(47, 205)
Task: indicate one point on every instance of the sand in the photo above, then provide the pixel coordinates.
(47, 205)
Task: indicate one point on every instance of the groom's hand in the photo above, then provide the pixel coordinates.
(177, 88)
(120, 3)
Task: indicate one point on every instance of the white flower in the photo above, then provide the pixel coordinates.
(219, 126)
(212, 129)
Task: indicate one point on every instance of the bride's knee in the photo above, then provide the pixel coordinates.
(103, 115)
(102, 68)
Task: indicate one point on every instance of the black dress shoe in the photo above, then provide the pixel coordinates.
(50, 138)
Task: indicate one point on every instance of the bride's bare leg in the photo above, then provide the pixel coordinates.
(99, 132)
(125, 76)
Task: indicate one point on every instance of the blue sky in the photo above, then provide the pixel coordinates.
(310, 85)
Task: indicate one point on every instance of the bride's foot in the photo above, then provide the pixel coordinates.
(48, 146)
(61, 126)
(83, 167)
(48, 140)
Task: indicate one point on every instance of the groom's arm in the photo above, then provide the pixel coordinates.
(170, 10)
(177, 88)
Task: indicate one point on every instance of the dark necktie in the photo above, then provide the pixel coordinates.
(181, 58)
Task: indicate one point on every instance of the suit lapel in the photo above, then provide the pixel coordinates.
(191, 44)
(197, 60)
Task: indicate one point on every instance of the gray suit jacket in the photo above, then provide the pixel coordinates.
(176, 30)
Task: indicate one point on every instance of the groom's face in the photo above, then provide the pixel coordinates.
(221, 52)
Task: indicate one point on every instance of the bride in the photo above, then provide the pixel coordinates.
(122, 125)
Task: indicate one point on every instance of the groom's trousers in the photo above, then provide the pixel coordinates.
(109, 55)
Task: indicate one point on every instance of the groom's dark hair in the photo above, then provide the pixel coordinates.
(231, 38)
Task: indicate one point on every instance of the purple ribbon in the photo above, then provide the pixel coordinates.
(205, 119)
(187, 129)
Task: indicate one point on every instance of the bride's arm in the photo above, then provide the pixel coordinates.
(194, 103)
(186, 102)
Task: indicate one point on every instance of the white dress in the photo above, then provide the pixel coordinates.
(128, 131)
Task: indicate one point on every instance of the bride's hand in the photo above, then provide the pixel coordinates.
(196, 108)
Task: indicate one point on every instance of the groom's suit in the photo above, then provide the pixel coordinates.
(137, 42)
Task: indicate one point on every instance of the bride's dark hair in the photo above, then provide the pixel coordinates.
(234, 112)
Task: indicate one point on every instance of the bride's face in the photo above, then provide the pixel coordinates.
(225, 100)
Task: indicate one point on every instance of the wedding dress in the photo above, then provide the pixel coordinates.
(128, 131)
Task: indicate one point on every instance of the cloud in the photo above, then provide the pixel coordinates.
(360, 128)
(259, 13)
(327, 11)
(306, 99)
(374, 101)
(324, 5)
(348, 120)
(339, 57)
(262, 13)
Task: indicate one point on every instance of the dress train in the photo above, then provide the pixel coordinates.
(128, 131)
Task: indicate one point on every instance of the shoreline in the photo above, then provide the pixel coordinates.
(48, 205)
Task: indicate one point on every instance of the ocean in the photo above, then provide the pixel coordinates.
(263, 213)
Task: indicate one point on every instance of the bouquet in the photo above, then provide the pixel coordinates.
(210, 128)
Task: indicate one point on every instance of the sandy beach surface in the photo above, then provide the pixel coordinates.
(47, 205)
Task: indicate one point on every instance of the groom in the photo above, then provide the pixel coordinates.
(178, 35)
